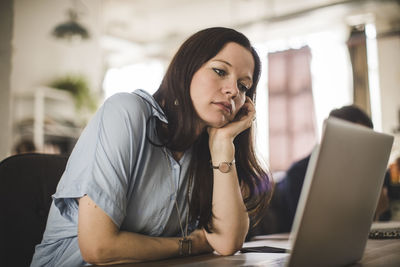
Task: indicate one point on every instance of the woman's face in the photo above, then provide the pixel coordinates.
(218, 88)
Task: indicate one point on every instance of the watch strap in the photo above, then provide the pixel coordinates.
(224, 166)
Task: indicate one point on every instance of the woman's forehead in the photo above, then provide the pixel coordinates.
(236, 56)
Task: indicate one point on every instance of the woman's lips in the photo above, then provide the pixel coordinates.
(224, 106)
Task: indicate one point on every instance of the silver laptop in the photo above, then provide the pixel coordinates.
(339, 196)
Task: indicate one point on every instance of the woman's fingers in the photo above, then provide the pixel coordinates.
(199, 242)
(245, 119)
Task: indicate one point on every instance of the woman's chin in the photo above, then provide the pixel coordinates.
(219, 124)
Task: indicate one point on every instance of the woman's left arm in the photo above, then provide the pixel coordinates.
(231, 221)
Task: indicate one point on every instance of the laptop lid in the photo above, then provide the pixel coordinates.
(339, 196)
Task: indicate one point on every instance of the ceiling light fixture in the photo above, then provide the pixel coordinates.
(71, 29)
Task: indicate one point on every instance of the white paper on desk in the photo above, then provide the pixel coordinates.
(275, 240)
(385, 225)
(286, 244)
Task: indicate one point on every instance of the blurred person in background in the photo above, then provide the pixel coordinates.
(393, 188)
(25, 146)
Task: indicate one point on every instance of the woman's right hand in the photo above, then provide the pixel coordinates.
(199, 242)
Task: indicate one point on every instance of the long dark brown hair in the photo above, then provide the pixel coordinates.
(173, 96)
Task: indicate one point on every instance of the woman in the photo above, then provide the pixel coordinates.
(169, 175)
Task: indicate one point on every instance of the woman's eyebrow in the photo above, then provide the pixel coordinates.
(223, 61)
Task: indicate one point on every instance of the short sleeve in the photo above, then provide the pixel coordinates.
(102, 161)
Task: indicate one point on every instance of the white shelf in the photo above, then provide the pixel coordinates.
(41, 112)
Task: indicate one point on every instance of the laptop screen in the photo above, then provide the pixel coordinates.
(339, 196)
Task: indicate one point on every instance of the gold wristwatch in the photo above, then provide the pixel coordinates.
(224, 167)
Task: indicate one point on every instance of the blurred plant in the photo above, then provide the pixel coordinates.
(78, 86)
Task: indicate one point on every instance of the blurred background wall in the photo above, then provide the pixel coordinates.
(6, 29)
(316, 54)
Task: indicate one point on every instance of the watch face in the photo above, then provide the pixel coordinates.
(224, 167)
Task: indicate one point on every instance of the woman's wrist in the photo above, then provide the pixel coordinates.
(224, 166)
(185, 247)
(222, 158)
(222, 151)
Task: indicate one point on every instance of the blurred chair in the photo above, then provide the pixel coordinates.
(27, 182)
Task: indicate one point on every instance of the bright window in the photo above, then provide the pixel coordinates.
(145, 76)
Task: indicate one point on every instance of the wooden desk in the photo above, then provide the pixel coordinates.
(377, 253)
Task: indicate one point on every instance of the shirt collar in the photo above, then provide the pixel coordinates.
(155, 107)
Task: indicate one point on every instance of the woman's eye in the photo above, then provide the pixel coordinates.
(242, 87)
(219, 72)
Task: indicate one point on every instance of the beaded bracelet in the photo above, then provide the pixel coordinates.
(185, 247)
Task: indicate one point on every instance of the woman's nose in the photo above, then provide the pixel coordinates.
(231, 88)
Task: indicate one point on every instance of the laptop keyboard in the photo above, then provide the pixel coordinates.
(385, 234)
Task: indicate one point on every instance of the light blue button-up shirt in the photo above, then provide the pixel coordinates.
(134, 182)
